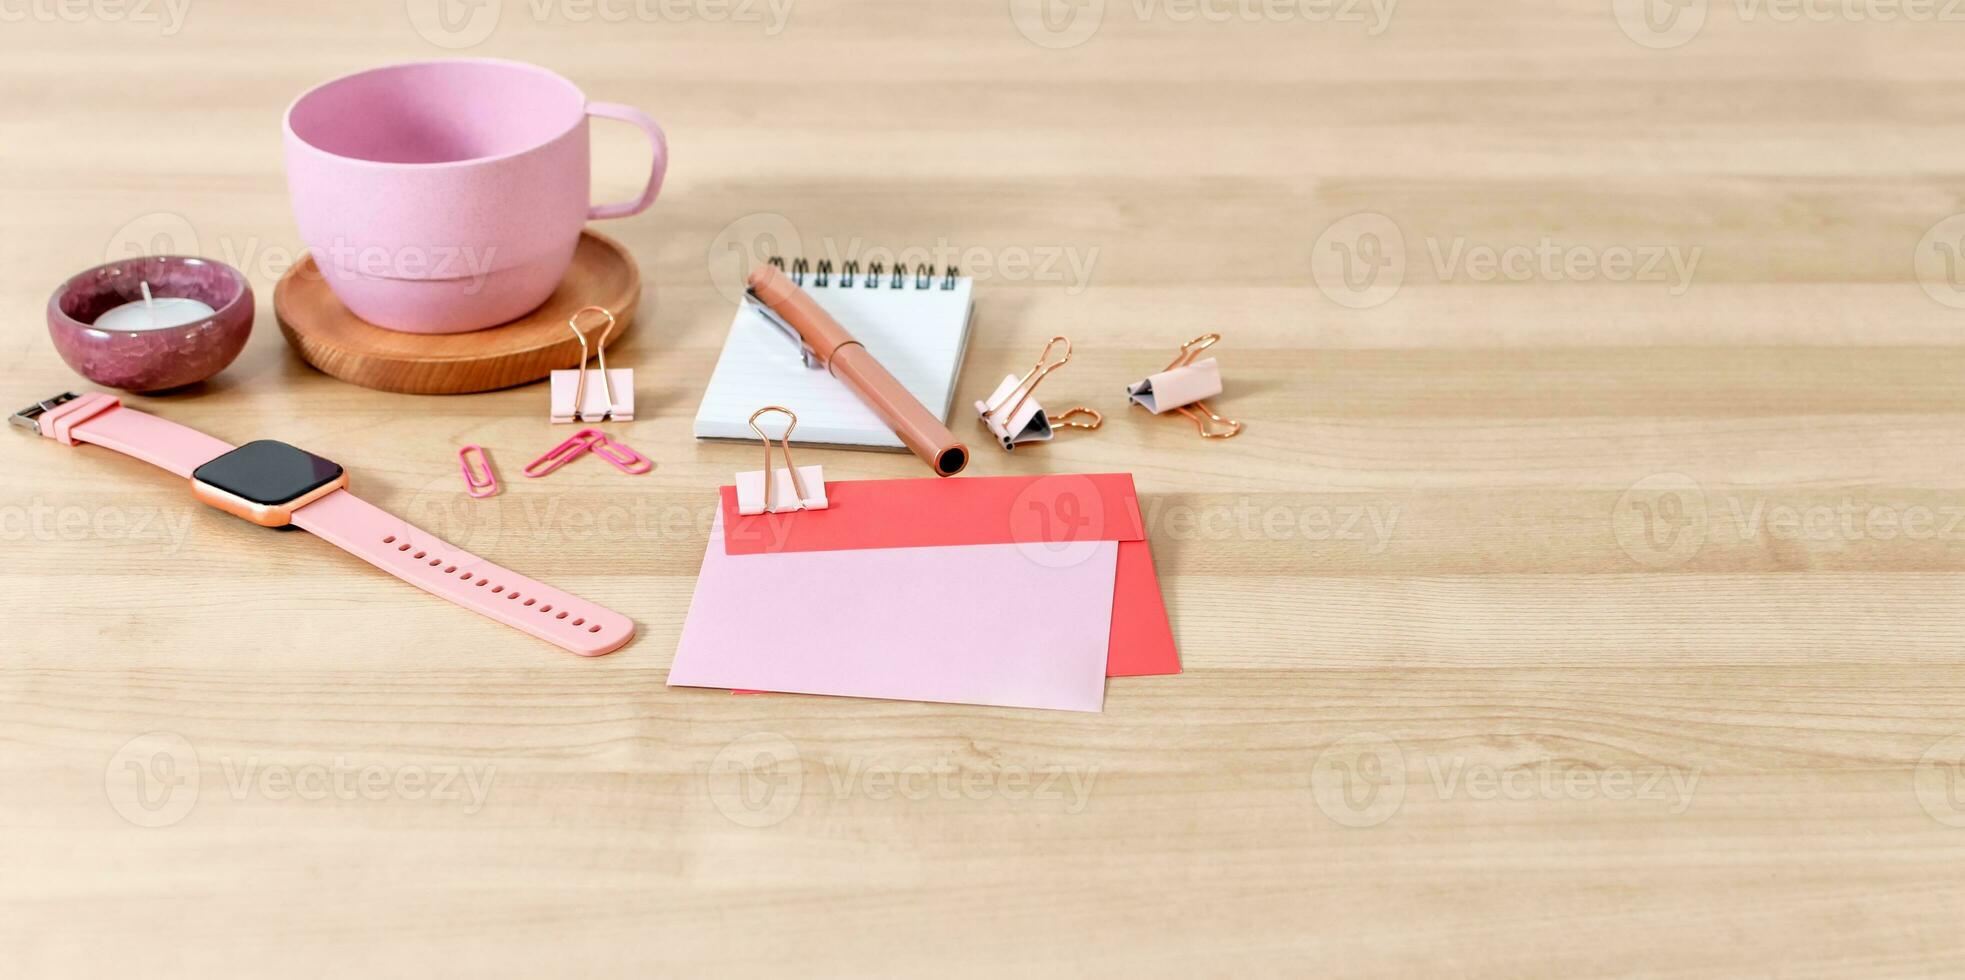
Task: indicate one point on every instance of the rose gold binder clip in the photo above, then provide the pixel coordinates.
(788, 488)
(575, 399)
(623, 457)
(1014, 417)
(1182, 386)
(474, 484)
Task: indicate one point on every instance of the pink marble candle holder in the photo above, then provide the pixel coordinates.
(151, 360)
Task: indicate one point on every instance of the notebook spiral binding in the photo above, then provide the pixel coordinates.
(876, 274)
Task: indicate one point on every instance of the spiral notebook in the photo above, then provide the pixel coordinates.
(914, 321)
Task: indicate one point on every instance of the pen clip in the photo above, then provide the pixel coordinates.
(771, 316)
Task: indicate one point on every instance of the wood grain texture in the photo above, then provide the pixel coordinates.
(1561, 611)
(326, 335)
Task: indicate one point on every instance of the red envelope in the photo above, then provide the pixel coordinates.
(1046, 514)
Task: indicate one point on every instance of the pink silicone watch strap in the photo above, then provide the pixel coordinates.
(427, 562)
(361, 528)
(101, 420)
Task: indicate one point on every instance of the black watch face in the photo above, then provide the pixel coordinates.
(268, 472)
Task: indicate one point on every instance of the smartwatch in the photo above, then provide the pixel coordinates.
(276, 485)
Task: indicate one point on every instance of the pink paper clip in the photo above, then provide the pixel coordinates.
(628, 461)
(480, 488)
(564, 453)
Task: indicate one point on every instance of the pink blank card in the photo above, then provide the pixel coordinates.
(969, 624)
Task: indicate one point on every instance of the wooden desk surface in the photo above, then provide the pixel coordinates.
(1585, 595)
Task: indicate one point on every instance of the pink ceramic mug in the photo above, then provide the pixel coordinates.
(445, 196)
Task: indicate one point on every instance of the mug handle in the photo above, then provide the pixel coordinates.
(658, 142)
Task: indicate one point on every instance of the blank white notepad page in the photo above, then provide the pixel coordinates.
(918, 331)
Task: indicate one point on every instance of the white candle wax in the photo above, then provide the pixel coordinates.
(150, 313)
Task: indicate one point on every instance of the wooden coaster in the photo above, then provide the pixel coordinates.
(343, 345)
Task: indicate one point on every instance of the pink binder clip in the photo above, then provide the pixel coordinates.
(1182, 387)
(1014, 417)
(473, 485)
(610, 397)
(790, 487)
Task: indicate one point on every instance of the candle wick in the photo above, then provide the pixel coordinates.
(146, 294)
